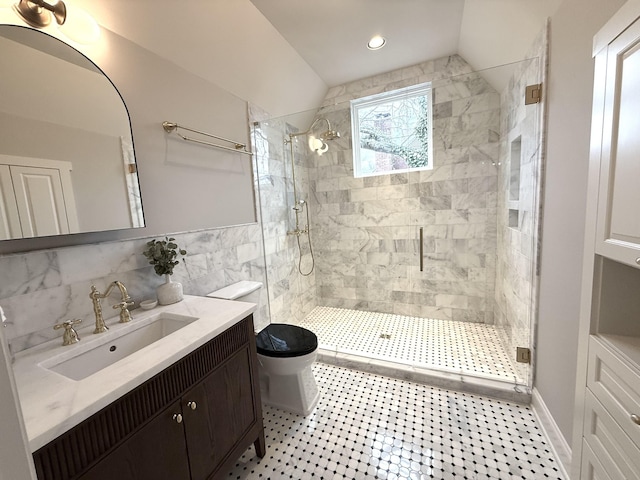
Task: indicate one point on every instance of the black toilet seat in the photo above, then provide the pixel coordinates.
(284, 341)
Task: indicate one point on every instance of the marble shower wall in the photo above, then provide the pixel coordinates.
(366, 229)
(42, 288)
(521, 161)
(291, 295)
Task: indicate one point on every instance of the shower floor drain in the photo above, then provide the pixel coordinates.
(385, 335)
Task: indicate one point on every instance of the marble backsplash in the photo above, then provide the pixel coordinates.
(42, 288)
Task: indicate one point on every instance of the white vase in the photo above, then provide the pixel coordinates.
(169, 292)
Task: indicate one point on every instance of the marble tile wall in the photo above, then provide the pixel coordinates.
(366, 229)
(39, 289)
(518, 217)
(291, 295)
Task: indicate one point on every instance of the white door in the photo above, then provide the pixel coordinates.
(9, 219)
(40, 201)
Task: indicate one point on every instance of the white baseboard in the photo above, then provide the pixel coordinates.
(557, 442)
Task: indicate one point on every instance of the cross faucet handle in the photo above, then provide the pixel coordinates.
(70, 336)
(125, 315)
(124, 304)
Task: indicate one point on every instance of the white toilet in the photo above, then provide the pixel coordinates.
(285, 352)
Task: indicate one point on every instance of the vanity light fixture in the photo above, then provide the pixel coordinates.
(37, 13)
(376, 42)
(76, 24)
(81, 27)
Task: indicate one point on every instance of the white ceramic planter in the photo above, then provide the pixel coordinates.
(169, 292)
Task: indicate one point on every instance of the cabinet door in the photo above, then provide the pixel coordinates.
(156, 451)
(619, 196)
(592, 469)
(224, 411)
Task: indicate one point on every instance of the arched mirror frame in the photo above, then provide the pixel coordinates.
(99, 203)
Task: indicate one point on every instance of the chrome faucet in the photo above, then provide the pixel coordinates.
(125, 303)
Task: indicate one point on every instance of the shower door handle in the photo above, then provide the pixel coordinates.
(421, 249)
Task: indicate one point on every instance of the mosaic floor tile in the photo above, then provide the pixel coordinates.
(367, 426)
(471, 348)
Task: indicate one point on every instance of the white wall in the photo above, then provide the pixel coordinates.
(569, 117)
(487, 24)
(499, 32)
(246, 55)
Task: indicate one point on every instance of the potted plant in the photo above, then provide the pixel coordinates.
(163, 255)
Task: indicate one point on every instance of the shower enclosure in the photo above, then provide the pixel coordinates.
(416, 269)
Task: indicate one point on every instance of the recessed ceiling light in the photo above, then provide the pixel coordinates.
(376, 42)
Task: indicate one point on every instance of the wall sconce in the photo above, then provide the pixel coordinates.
(75, 24)
(37, 13)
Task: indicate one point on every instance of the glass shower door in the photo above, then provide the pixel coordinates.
(476, 229)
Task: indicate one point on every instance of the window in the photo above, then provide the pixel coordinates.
(392, 132)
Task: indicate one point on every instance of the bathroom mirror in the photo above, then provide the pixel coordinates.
(67, 162)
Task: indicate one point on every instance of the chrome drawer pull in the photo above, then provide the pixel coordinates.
(635, 419)
(192, 405)
(177, 417)
(638, 260)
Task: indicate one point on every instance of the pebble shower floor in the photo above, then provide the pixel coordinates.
(472, 348)
(372, 427)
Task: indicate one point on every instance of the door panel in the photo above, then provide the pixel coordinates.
(156, 451)
(40, 201)
(224, 412)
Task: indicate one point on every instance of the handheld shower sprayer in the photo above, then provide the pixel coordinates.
(319, 146)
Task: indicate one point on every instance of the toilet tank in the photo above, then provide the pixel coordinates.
(244, 291)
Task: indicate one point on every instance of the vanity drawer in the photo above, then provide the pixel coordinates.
(616, 385)
(612, 447)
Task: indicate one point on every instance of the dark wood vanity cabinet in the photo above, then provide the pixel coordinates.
(192, 421)
(156, 450)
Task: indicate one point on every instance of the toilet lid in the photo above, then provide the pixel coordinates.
(283, 340)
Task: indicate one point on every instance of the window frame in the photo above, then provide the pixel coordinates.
(422, 89)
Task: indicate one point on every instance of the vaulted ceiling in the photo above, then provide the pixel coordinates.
(332, 35)
(241, 45)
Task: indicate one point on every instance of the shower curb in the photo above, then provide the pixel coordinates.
(459, 382)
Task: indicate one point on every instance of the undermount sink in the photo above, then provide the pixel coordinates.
(115, 348)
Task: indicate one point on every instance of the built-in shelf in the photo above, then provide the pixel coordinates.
(514, 217)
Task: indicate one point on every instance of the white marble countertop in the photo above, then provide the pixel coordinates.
(52, 403)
